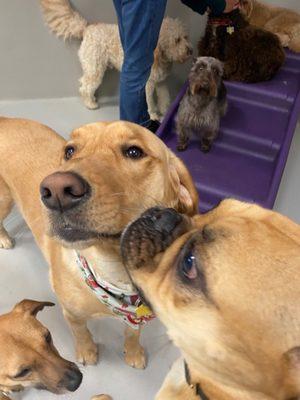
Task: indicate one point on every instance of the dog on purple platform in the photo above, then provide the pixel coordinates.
(203, 104)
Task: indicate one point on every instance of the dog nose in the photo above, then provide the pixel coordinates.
(189, 51)
(151, 234)
(72, 379)
(63, 190)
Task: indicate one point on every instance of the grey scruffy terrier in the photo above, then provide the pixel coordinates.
(203, 105)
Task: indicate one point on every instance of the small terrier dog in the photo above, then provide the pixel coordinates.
(203, 105)
(28, 357)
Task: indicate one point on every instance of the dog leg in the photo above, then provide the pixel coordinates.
(207, 139)
(183, 137)
(133, 351)
(86, 349)
(6, 203)
(163, 98)
(89, 83)
(152, 109)
(94, 65)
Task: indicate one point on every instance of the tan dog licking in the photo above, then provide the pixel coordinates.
(281, 21)
(28, 357)
(227, 286)
(104, 178)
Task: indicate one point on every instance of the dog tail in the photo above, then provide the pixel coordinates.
(294, 44)
(62, 19)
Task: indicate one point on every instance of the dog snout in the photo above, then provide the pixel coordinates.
(151, 234)
(72, 379)
(189, 51)
(63, 190)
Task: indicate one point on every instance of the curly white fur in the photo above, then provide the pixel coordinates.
(101, 49)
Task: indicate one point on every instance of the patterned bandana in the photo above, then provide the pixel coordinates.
(125, 305)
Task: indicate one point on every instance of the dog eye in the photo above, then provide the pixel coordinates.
(177, 40)
(23, 373)
(189, 266)
(134, 152)
(69, 152)
(48, 338)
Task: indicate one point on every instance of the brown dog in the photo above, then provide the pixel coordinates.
(249, 54)
(227, 288)
(28, 357)
(282, 22)
(109, 174)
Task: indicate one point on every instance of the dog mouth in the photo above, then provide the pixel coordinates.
(71, 234)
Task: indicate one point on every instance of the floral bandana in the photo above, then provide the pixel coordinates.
(125, 305)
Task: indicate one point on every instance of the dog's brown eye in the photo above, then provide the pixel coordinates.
(189, 267)
(134, 152)
(69, 152)
(23, 373)
(48, 338)
(177, 40)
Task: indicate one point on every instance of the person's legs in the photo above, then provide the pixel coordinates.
(118, 8)
(139, 23)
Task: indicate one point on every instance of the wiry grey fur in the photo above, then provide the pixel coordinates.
(203, 105)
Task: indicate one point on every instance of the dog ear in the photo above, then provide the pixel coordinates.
(31, 307)
(182, 183)
(292, 368)
(246, 7)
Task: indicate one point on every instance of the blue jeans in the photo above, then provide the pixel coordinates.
(139, 25)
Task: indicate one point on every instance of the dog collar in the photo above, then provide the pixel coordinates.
(222, 22)
(196, 387)
(126, 305)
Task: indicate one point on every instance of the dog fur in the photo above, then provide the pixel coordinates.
(101, 49)
(281, 21)
(203, 104)
(28, 357)
(226, 285)
(120, 189)
(249, 54)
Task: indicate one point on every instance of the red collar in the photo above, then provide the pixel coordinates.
(220, 22)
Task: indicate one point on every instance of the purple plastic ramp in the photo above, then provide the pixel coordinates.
(248, 159)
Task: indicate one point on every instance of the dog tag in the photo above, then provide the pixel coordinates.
(143, 311)
(230, 30)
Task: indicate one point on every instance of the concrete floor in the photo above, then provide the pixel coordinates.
(24, 274)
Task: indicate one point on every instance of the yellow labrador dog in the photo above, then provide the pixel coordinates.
(227, 286)
(93, 186)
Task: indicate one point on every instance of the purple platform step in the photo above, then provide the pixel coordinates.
(248, 159)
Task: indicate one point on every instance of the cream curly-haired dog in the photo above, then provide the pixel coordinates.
(282, 22)
(101, 49)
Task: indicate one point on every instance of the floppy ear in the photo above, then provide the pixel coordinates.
(292, 368)
(31, 307)
(246, 7)
(183, 185)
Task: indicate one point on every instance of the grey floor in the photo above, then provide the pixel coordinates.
(24, 273)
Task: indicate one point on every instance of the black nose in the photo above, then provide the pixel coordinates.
(63, 190)
(150, 234)
(72, 379)
(163, 220)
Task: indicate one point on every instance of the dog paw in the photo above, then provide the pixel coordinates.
(136, 357)
(91, 104)
(6, 242)
(181, 147)
(155, 117)
(205, 148)
(88, 354)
